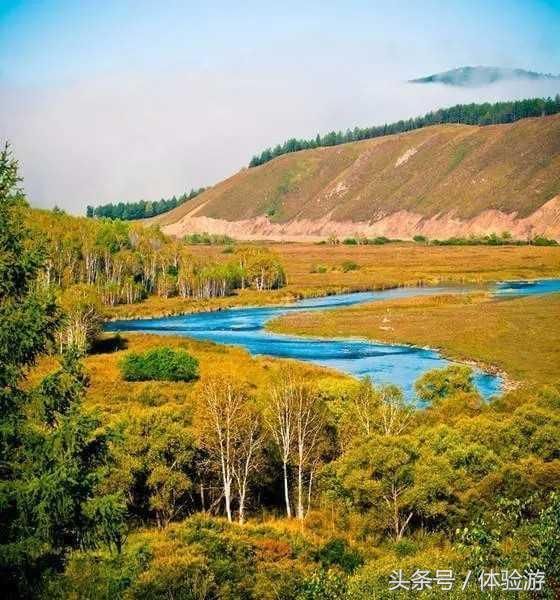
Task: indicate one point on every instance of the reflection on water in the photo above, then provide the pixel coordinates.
(385, 363)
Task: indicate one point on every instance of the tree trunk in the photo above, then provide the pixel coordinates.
(286, 493)
(300, 490)
(227, 500)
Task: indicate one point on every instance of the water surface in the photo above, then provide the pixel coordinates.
(384, 363)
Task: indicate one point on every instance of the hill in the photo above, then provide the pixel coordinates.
(438, 181)
(480, 76)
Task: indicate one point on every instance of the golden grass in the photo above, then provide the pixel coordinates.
(114, 397)
(385, 266)
(519, 336)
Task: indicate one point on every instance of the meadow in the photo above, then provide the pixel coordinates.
(516, 336)
(320, 269)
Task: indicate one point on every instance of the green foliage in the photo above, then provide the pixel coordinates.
(470, 114)
(161, 364)
(349, 265)
(53, 454)
(124, 263)
(337, 553)
(438, 384)
(420, 239)
(209, 239)
(492, 239)
(323, 585)
(128, 211)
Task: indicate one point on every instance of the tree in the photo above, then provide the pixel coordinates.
(371, 409)
(295, 419)
(83, 317)
(438, 384)
(52, 453)
(231, 435)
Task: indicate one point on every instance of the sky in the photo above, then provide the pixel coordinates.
(112, 101)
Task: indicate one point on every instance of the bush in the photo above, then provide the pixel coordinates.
(161, 364)
(378, 241)
(405, 547)
(336, 552)
(208, 239)
(318, 269)
(540, 240)
(350, 241)
(420, 239)
(349, 265)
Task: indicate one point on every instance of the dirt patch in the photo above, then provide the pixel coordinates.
(402, 224)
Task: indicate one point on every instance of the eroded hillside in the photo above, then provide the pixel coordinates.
(439, 181)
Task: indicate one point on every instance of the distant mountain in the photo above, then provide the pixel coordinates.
(481, 76)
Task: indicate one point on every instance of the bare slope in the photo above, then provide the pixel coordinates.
(439, 181)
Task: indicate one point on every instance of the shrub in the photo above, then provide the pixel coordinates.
(378, 241)
(350, 241)
(336, 552)
(318, 269)
(540, 240)
(349, 265)
(161, 364)
(405, 547)
(420, 239)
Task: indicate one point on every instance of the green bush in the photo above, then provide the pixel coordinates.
(336, 552)
(420, 239)
(161, 364)
(318, 269)
(405, 547)
(378, 241)
(540, 240)
(349, 265)
(350, 241)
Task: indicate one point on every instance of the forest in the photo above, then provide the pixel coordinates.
(144, 467)
(144, 209)
(469, 114)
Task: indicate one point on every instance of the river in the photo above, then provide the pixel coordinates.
(384, 363)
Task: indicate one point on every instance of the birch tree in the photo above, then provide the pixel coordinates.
(232, 436)
(295, 420)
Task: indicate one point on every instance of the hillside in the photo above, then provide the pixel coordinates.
(437, 181)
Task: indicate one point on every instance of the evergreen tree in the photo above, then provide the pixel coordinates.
(51, 452)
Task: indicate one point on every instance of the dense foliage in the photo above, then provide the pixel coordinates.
(470, 114)
(144, 209)
(210, 239)
(127, 262)
(378, 484)
(53, 454)
(161, 364)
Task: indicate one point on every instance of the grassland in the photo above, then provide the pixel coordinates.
(519, 336)
(112, 396)
(392, 265)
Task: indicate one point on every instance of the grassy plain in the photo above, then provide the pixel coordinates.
(519, 336)
(112, 396)
(391, 265)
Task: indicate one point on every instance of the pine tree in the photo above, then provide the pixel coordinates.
(51, 452)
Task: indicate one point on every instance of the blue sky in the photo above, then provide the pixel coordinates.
(105, 101)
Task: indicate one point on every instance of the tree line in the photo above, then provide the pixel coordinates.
(95, 263)
(469, 114)
(144, 209)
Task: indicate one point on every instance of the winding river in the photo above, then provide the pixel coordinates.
(386, 363)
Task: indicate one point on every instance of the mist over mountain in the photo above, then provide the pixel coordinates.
(482, 76)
